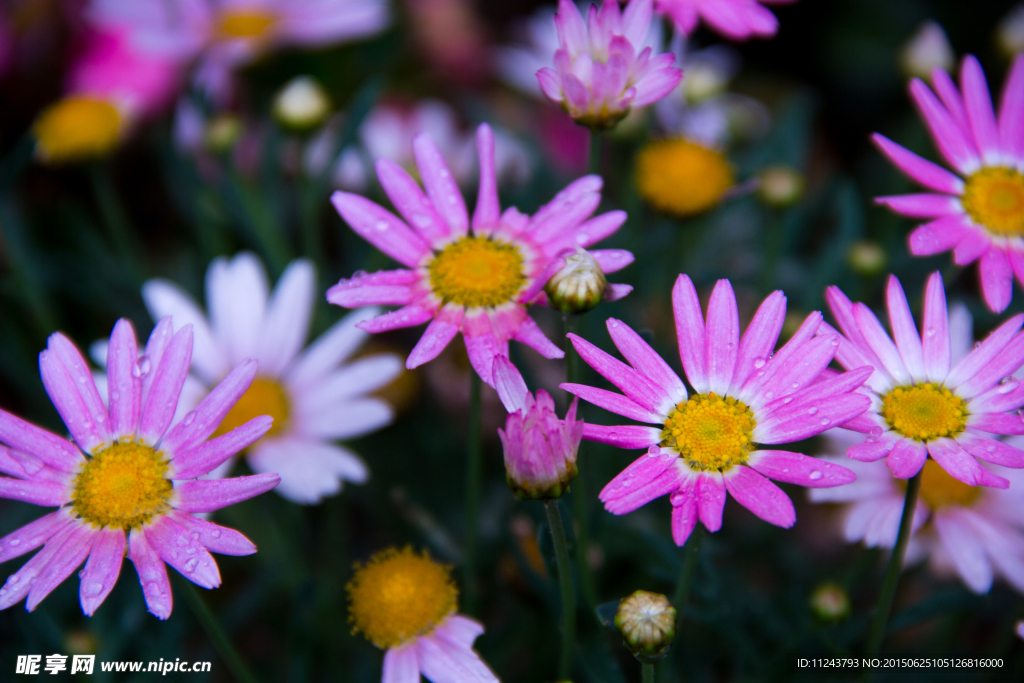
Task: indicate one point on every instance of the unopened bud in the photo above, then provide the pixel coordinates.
(579, 286)
(866, 258)
(647, 623)
(927, 50)
(781, 186)
(302, 104)
(830, 602)
(1010, 33)
(222, 133)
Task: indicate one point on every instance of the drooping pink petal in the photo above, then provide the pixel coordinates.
(168, 378)
(203, 420)
(760, 337)
(906, 458)
(796, 468)
(440, 660)
(965, 549)
(102, 569)
(178, 548)
(978, 104)
(72, 554)
(440, 184)
(632, 383)
(710, 496)
(459, 630)
(722, 337)
(482, 349)
(439, 333)
(645, 359)
(529, 333)
(623, 436)
(690, 333)
(936, 349)
(510, 385)
(760, 496)
(381, 228)
(488, 209)
(932, 176)
(635, 492)
(684, 511)
(195, 462)
(206, 495)
(401, 664)
(124, 387)
(410, 200)
(156, 588)
(216, 539)
(962, 466)
(996, 279)
(971, 247)
(644, 469)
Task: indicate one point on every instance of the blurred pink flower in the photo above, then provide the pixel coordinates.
(734, 19)
(599, 71)
(981, 215)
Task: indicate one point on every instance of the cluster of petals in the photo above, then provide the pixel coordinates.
(42, 468)
(540, 448)
(445, 655)
(981, 379)
(438, 218)
(734, 19)
(788, 395)
(327, 396)
(970, 138)
(976, 541)
(600, 71)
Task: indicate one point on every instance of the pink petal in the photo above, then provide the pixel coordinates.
(488, 207)
(71, 389)
(612, 260)
(632, 383)
(937, 236)
(922, 205)
(904, 330)
(401, 665)
(203, 420)
(782, 361)
(482, 350)
(907, 458)
(978, 104)
(206, 495)
(591, 232)
(1011, 110)
(996, 279)
(102, 569)
(997, 423)
(634, 492)
(987, 449)
(965, 550)
(869, 451)
(641, 471)
(34, 534)
(178, 548)
(971, 247)
(690, 332)
(510, 385)
(880, 343)
(385, 287)
(645, 359)
(20, 582)
(44, 493)
(1007, 362)
(785, 426)
(71, 555)
(411, 202)
(440, 184)
(169, 376)
(795, 468)
(710, 496)
(936, 351)
(623, 436)
(152, 575)
(381, 228)
(946, 134)
(50, 448)
(531, 335)
(722, 337)
(983, 354)
(440, 660)
(949, 94)
(760, 337)
(799, 370)
(157, 343)
(459, 630)
(442, 329)
(124, 388)
(208, 456)
(216, 539)
(612, 402)
(932, 176)
(760, 496)
(550, 83)
(684, 512)
(407, 316)
(656, 85)
(961, 465)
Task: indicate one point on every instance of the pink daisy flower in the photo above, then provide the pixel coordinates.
(601, 68)
(734, 19)
(979, 214)
(921, 403)
(126, 480)
(973, 532)
(706, 443)
(479, 277)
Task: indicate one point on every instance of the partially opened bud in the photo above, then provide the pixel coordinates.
(781, 186)
(647, 623)
(927, 50)
(302, 104)
(540, 449)
(579, 286)
(830, 602)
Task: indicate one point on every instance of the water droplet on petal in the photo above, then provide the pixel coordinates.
(381, 226)
(14, 542)
(813, 410)
(190, 566)
(759, 362)
(816, 475)
(182, 541)
(215, 533)
(825, 421)
(141, 367)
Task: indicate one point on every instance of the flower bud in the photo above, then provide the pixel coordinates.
(830, 602)
(927, 50)
(302, 104)
(579, 286)
(540, 449)
(781, 186)
(1010, 33)
(222, 133)
(647, 623)
(866, 258)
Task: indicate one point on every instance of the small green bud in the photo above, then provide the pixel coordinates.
(781, 186)
(222, 133)
(579, 286)
(866, 258)
(647, 623)
(302, 104)
(830, 602)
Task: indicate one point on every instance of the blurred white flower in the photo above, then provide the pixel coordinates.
(1010, 32)
(928, 49)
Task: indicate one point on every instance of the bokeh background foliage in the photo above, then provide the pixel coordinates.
(76, 243)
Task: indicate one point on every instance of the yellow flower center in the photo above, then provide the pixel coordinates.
(681, 177)
(924, 412)
(249, 24)
(265, 397)
(939, 490)
(710, 432)
(122, 486)
(477, 271)
(994, 197)
(76, 128)
(399, 595)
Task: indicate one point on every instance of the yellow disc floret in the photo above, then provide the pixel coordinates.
(994, 197)
(477, 271)
(682, 178)
(399, 595)
(122, 486)
(265, 396)
(76, 128)
(249, 24)
(710, 432)
(939, 490)
(924, 411)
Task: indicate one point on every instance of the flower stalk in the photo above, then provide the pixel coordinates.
(239, 669)
(474, 475)
(565, 588)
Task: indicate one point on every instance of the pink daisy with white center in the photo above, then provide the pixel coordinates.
(974, 532)
(129, 478)
(921, 403)
(706, 443)
(600, 71)
(979, 214)
(479, 277)
(734, 19)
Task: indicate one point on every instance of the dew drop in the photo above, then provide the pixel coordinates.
(813, 410)
(977, 345)
(215, 533)
(182, 541)
(189, 419)
(816, 475)
(825, 421)
(759, 362)
(1008, 386)
(141, 367)
(3, 591)
(94, 589)
(991, 449)
(769, 395)
(381, 226)
(195, 535)
(14, 542)
(190, 566)
(785, 469)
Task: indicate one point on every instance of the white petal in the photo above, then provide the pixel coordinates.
(344, 419)
(331, 348)
(286, 322)
(164, 298)
(361, 377)
(236, 296)
(309, 470)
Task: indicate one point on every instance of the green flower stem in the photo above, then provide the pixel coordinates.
(205, 617)
(691, 551)
(648, 672)
(876, 634)
(565, 587)
(594, 160)
(115, 218)
(474, 475)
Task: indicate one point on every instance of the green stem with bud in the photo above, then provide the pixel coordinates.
(876, 634)
(565, 587)
(648, 672)
(474, 476)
